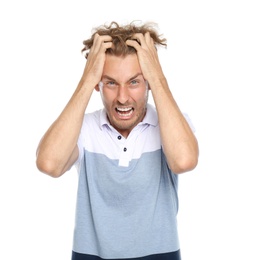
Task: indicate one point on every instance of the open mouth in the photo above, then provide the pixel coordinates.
(124, 111)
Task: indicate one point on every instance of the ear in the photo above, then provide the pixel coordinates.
(98, 86)
(147, 84)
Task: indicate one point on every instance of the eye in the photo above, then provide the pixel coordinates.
(134, 82)
(110, 84)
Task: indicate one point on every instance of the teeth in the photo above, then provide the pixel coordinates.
(124, 109)
(126, 114)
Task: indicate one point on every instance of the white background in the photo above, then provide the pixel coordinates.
(209, 64)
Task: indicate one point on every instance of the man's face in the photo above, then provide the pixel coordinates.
(124, 92)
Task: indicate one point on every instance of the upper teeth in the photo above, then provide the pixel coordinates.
(124, 109)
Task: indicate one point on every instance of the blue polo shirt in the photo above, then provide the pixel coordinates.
(127, 196)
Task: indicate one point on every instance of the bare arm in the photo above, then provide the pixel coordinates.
(57, 150)
(179, 143)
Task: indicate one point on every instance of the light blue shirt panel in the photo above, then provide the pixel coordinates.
(127, 201)
(126, 211)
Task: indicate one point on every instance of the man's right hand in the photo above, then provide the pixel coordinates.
(96, 59)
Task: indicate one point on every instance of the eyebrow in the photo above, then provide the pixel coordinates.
(110, 78)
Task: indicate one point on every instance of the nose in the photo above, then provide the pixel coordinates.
(123, 94)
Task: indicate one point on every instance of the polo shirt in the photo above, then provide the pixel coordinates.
(127, 199)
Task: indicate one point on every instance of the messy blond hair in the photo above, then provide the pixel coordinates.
(120, 34)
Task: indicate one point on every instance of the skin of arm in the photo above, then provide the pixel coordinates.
(57, 150)
(178, 141)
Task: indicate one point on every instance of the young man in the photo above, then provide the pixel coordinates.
(128, 154)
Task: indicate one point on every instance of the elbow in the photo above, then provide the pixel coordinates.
(48, 167)
(186, 164)
(187, 161)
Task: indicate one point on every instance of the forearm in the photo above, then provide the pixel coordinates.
(179, 143)
(57, 149)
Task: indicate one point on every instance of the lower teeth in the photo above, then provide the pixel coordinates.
(125, 114)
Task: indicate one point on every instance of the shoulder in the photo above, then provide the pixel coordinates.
(92, 116)
(151, 116)
(91, 120)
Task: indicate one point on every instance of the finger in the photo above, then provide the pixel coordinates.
(148, 38)
(101, 49)
(106, 45)
(139, 37)
(145, 40)
(134, 44)
(100, 40)
(95, 50)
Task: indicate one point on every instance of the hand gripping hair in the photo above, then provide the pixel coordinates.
(120, 34)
